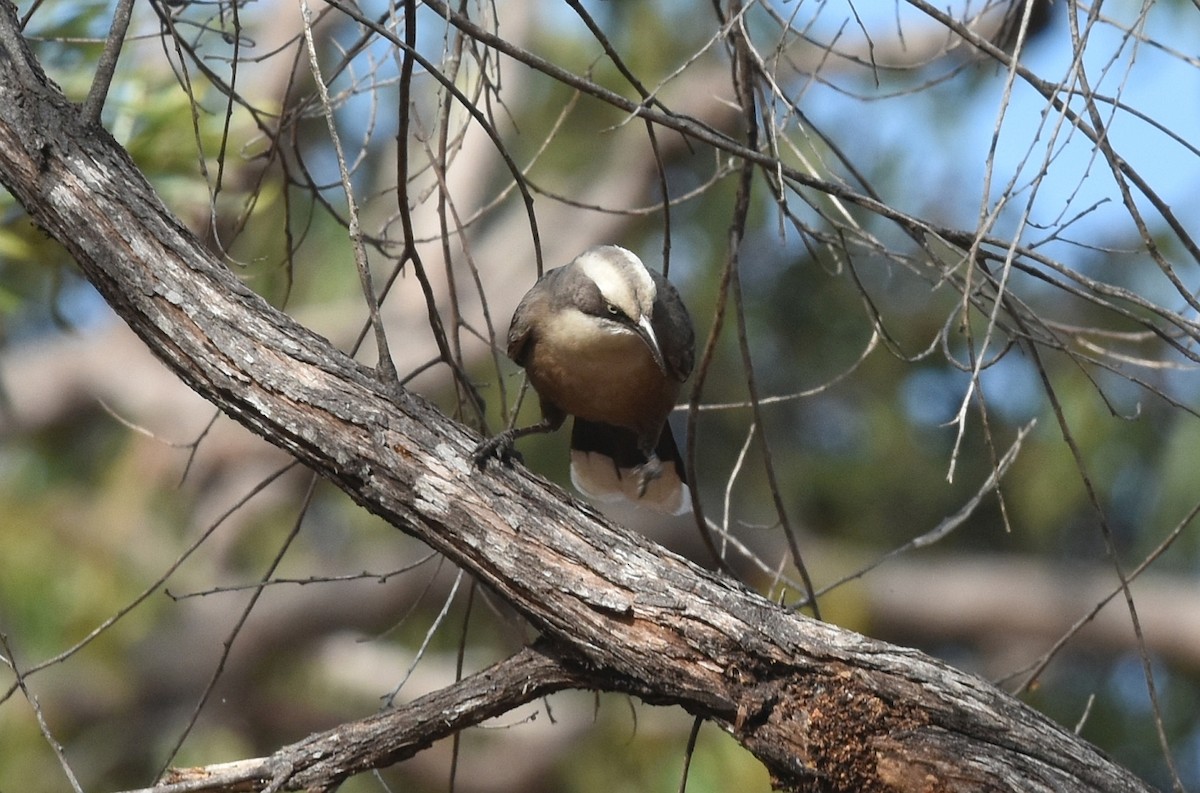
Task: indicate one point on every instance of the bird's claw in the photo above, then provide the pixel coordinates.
(647, 473)
(501, 447)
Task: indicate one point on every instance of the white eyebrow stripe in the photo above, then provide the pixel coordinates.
(603, 266)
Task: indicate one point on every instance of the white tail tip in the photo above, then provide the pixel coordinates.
(597, 476)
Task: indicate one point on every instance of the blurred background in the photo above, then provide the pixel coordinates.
(957, 273)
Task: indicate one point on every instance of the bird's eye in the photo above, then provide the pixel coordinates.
(616, 312)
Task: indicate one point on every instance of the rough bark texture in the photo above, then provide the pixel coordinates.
(823, 708)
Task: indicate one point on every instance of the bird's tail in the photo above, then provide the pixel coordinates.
(605, 462)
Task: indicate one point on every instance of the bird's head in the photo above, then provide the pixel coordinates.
(626, 294)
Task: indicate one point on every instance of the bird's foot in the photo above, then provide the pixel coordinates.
(647, 473)
(499, 446)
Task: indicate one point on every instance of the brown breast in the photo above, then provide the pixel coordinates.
(608, 377)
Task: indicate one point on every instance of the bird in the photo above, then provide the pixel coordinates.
(608, 341)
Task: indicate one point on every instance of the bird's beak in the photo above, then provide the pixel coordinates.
(646, 331)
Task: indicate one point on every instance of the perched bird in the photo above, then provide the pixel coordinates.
(608, 341)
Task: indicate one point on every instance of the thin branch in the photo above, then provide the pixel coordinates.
(8, 658)
(386, 366)
(157, 583)
(235, 631)
(741, 77)
(107, 65)
(951, 522)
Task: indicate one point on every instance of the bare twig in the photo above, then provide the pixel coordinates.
(107, 65)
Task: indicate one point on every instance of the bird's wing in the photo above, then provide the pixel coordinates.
(520, 330)
(673, 327)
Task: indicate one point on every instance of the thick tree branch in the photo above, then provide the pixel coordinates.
(323, 761)
(823, 708)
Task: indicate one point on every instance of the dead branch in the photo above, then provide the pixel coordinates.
(323, 761)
